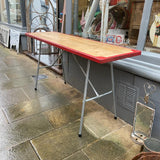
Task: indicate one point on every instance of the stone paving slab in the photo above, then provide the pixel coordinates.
(57, 84)
(42, 90)
(73, 95)
(32, 107)
(3, 66)
(104, 150)
(115, 146)
(23, 130)
(3, 77)
(19, 74)
(70, 113)
(23, 151)
(21, 82)
(61, 143)
(130, 153)
(102, 122)
(18, 60)
(14, 61)
(12, 96)
(4, 52)
(77, 156)
(3, 119)
(25, 67)
(5, 69)
(122, 136)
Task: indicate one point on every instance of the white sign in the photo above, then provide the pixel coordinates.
(14, 39)
(4, 35)
(115, 39)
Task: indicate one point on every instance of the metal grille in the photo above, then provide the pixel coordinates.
(126, 96)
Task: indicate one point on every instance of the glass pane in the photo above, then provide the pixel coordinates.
(3, 11)
(143, 120)
(43, 15)
(123, 22)
(15, 12)
(153, 37)
(136, 12)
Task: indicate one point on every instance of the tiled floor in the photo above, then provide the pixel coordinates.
(44, 124)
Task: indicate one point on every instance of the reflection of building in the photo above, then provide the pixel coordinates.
(3, 12)
(13, 17)
(4, 15)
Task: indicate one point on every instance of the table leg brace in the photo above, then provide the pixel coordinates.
(97, 96)
(38, 67)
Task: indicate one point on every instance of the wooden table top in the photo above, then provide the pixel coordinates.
(93, 50)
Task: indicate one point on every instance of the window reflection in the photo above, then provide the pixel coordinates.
(3, 11)
(124, 21)
(153, 37)
(15, 12)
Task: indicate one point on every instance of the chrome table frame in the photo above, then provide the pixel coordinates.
(60, 41)
(96, 93)
(85, 86)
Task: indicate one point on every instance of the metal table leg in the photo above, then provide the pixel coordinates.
(97, 95)
(62, 57)
(39, 57)
(113, 91)
(53, 64)
(84, 98)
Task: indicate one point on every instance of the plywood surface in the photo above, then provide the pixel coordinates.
(89, 49)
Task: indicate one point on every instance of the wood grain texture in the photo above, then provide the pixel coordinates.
(89, 49)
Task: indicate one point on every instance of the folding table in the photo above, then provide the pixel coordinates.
(92, 51)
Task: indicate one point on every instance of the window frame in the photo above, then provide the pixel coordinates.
(23, 15)
(144, 24)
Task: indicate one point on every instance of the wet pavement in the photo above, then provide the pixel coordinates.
(44, 124)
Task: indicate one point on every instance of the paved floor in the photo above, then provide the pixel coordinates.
(43, 124)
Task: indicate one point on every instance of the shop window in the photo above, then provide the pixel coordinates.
(123, 22)
(3, 11)
(15, 12)
(153, 37)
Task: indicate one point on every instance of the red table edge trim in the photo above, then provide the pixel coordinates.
(100, 60)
